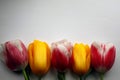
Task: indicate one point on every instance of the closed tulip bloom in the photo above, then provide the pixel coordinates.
(14, 55)
(102, 56)
(80, 59)
(39, 57)
(61, 52)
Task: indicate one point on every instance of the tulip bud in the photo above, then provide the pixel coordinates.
(80, 59)
(102, 56)
(39, 57)
(61, 52)
(14, 55)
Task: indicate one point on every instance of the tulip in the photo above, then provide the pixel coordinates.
(39, 57)
(80, 59)
(14, 55)
(102, 57)
(61, 52)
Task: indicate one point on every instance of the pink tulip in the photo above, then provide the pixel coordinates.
(14, 55)
(102, 56)
(61, 52)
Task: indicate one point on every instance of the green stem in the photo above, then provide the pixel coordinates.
(80, 77)
(86, 75)
(25, 75)
(61, 76)
(39, 78)
(101, 76)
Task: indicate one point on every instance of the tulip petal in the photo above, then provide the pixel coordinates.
(109, 58)
(96, 57)
(16, 55)
(81, 58)
(39, 57)
(59, 61)
(31, 56)
(88, 58)
(61, 52)
(48, 58)
(103, 56)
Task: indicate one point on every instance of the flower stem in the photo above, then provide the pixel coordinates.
(39, 78)
(101, 76)
(61, 76)
(86, 75)
(80, 77)
(25, 75)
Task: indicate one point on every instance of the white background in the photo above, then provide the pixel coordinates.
(52, 20)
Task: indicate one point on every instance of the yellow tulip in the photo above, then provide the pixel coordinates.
(39, 57)
(80, 59)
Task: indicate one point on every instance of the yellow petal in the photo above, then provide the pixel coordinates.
(81, 58)
(48, 58)
(31, 57)
(39, 57)
(88, 57)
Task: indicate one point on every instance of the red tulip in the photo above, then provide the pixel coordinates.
(102, 56)
(61, 52)
(14, 55)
